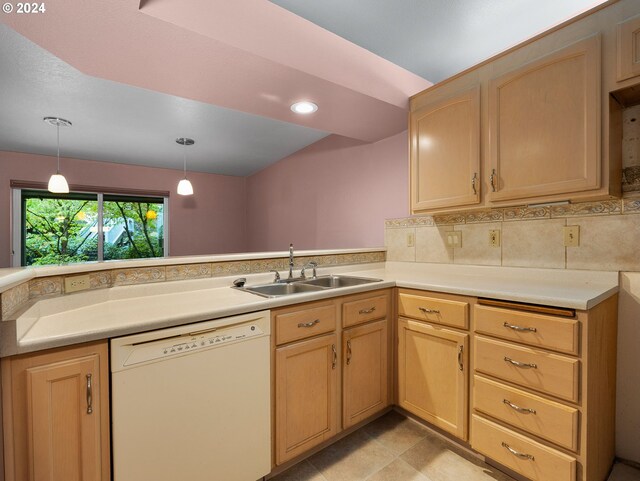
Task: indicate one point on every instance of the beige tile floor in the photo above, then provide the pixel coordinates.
(394, 448)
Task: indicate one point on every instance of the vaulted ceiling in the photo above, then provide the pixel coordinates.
(132, 76)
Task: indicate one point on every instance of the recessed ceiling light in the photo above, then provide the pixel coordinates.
(304, 107)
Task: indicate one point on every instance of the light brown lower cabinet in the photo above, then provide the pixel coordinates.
(306, 395)
(364, 375)
(56, 415)
(433, 374)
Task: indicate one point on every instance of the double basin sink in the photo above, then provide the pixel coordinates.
(316, 284)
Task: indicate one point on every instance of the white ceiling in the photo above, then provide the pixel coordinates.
(436, 38)
(116, 122)
(124, 124)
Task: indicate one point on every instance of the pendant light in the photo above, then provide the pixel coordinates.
(184, 186)
(57, 183)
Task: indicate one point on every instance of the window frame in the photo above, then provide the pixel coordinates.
(17, 221)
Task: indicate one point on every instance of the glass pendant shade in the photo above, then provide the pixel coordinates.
(185, 187)
(58, 184)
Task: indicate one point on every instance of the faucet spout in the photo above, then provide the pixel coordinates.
(290, 261)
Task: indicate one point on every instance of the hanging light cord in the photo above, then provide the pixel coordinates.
(184, 151)
(58, 136)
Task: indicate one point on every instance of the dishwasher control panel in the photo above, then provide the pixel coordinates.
(184, 344)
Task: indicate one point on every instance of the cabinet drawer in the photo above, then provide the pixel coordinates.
(547, 419)
(550, 373)
(363, 310)
(529, 458)
(433, 309)
(305, 323)
(534, 329)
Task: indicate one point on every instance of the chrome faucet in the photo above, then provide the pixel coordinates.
(290, 261)
(311, 264)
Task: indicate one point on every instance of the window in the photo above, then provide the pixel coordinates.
(82, 227)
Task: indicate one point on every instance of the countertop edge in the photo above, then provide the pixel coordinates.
(583, 297)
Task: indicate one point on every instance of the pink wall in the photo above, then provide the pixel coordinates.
(334, 193)
(205, 223)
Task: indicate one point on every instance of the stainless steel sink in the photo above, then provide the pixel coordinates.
(280, 289)
(322, 283)
(332, 282)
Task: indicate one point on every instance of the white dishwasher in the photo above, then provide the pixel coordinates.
(193, 402)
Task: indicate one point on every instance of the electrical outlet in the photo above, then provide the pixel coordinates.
(572, 236)
(494, 238)
(454, 238)
(411, 239)
(76, 283)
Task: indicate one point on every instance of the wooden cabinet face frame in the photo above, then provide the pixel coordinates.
(544, 121)
(306, 387)
(628, 48)
(445, 147)
(435, 386)
(49, 432)
(364, 371)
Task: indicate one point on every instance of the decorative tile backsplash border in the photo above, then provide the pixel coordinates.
(582, 209)
(530, 236)
(43, 287)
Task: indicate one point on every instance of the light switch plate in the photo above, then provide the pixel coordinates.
(494, 238)
(411, 239)
(572, 236)
(454, 238)
(76, 283)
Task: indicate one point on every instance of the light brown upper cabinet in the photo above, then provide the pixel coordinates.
(445, 152)
(544, 121)
(629, 48)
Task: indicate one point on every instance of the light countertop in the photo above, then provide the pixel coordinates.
(117, 311)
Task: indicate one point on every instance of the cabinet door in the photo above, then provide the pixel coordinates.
(50, 433)
(629, 49)
(306, 395)
(64, 420)
(365, 383)
(433, 375)
(545, 126)
(445, 152)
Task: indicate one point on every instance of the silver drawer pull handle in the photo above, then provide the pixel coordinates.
(367, 311)
(518, 328)
(515, 407)
(309, 324)
(516, 453)
(89, 395)
(429, 311)
(524, 365)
